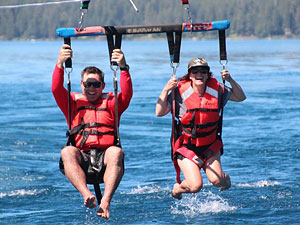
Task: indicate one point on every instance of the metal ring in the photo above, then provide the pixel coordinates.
(69, 71)
(223, 64)
(114, 67)
(173, 65)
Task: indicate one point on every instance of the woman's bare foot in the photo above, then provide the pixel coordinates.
(175, 193)
(226, 183)
(103, 210)
(90, 202)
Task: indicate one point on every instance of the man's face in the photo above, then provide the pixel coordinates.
(92, 86)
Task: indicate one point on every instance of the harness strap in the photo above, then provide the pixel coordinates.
(223, 56)
(200, 126)
(94, 132)
(68, 64)
(98, 192)
(196, 134)
(91, 107)
(84, 125)
(174, 45)
(114, 43)
(222, 44)
(202, 110)
(85, 4)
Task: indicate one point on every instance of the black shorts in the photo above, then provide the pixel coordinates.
(92, 163)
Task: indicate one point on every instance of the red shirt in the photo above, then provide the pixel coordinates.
(61, 94)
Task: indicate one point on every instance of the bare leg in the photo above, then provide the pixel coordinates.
(113, 160)
(215, 174)
(193, 180)
(72, 158)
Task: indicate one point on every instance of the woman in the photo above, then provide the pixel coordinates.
(198, 100)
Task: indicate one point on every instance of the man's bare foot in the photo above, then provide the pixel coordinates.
(103, 210)
(175, 193)
(226, 183)
(90, 202)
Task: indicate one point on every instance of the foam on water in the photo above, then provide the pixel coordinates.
(193, 205)
(148, 189)
(21, 192)
(261, 183)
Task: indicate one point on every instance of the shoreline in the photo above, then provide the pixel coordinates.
(151, 38)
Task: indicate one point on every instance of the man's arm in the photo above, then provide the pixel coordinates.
(59, 92)
(126, 93)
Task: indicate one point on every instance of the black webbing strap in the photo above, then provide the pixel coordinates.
(202, 110)
(98, 192)
(114, 41)
(174, 51)
(68, 64)
(174, 45)
(223, 56)
(85, 4)
(222, 44)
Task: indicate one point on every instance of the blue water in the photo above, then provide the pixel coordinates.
(261, 137)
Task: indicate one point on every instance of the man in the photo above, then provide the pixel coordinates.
(93, 127)
(198, 97)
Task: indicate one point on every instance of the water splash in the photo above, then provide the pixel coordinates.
(21, 192)
(261, 183)
(148, 190)
(193, 205)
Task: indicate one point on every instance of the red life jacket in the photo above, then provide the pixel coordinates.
(200, 121)
(92, 125)
(199, 124)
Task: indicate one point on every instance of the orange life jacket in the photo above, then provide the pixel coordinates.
(92, 125)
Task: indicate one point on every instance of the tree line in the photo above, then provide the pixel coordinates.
(257, 18)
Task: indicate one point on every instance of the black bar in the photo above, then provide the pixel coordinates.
(68, 63)
(142, 29)
(222, 44)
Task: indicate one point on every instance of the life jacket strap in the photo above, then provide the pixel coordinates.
(195, 134)
(91, 107)
(202, 110)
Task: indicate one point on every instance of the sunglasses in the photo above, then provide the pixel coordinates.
(88, 84)
(196, 70)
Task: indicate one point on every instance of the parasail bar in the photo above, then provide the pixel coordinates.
(142, 29)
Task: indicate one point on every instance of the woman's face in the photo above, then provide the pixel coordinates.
(199, 75)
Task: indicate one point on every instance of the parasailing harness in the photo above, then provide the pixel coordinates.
(113, 42)
(174, 50)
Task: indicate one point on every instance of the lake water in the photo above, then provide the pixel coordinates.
(261, 136)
